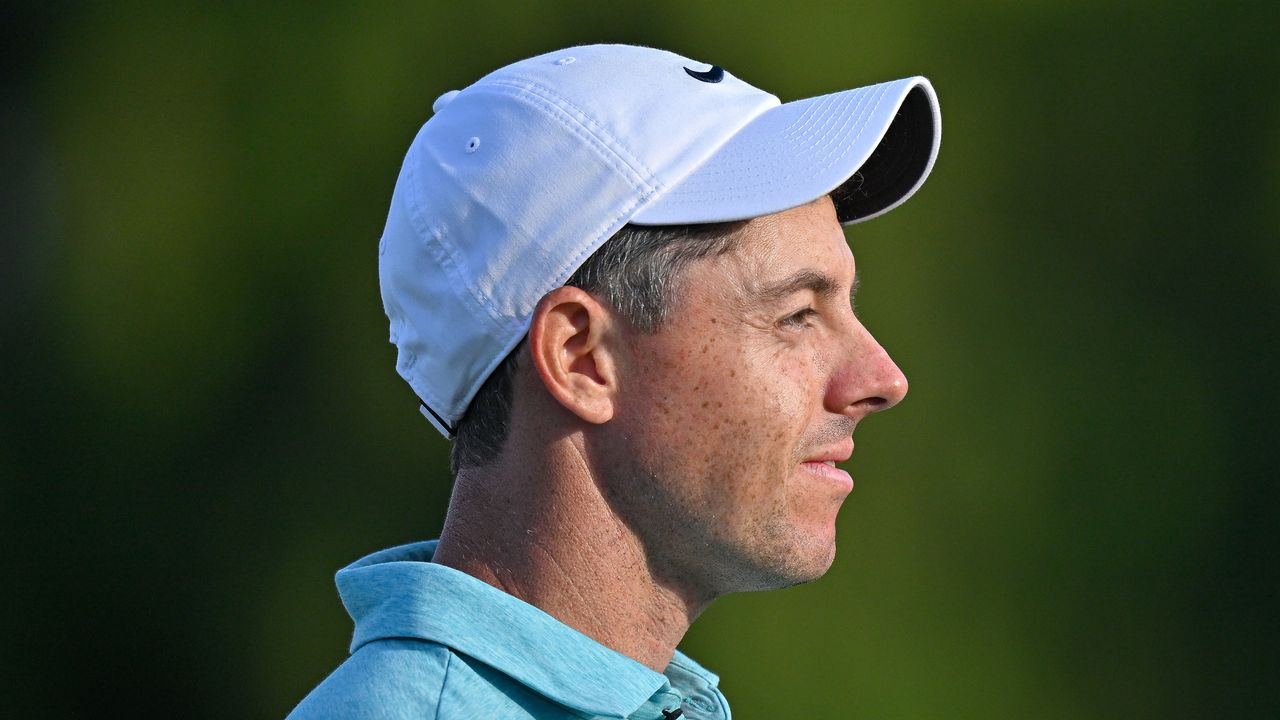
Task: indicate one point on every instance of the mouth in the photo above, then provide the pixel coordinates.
(823, 464)
(833, 454)
(828, 471)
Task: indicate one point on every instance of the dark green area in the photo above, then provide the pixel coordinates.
(1073, 515)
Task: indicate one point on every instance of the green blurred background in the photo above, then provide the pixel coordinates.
(1074, 514)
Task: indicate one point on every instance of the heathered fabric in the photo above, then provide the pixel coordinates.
(432, 642)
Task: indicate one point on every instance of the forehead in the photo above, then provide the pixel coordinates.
(778, 245)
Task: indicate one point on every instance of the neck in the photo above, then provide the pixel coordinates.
(542, 532)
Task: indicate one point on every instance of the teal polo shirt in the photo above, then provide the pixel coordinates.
(432, 642)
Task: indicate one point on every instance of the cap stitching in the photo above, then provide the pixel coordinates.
(833, 154)
(738, 168)
(550, 100)
(595, 125)
(404, 350)
(802, 121)
(443, 248)
(845, 97)
(604, 152)
(442, 253)
(831, 128)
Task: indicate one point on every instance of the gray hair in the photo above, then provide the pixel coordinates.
(635, 272)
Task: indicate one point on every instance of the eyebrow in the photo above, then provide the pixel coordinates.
(821, 284)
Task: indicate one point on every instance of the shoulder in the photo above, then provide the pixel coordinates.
(402, 678)
(383, 680)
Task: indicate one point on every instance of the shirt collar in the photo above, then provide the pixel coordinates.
(400, 593)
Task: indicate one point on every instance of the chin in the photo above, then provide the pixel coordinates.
(817, 567)
(789, 564)
(813, 555)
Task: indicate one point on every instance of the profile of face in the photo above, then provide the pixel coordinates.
(730, 418)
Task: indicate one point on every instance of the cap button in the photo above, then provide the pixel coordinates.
(443, 100)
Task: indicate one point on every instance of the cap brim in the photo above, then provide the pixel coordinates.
(870, 147)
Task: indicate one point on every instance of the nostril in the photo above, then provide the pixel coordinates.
(876, 404)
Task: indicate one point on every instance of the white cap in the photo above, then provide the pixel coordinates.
(517, 179)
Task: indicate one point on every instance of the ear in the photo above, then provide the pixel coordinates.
(569, 342)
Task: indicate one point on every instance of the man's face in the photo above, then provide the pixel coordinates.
(730, 417)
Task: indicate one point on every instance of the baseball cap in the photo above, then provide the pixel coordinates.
(518, 178)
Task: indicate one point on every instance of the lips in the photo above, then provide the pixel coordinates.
(830, 473)
(833, 454)
(823, 463)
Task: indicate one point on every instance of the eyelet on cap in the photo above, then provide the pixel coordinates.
(567, 60)
(473, 145)
(443, 100)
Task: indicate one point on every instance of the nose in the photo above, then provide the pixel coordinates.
(864, 378)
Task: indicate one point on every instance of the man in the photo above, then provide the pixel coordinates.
(617, 279)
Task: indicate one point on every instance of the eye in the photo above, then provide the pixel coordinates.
(799, 319)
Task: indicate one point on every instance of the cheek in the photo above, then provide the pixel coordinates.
(783, 392)
(745, 416)
(718, 389)
(712, 407)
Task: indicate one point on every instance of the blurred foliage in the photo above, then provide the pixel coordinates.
(1074, 515)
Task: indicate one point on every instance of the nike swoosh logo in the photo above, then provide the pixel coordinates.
(714, 75)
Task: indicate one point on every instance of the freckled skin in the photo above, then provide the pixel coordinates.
(718, 410)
